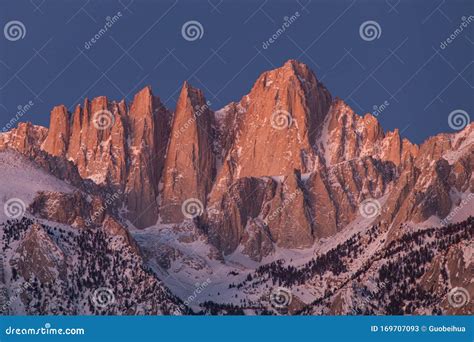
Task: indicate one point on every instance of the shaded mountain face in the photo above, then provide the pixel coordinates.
(63, 249)
(64, 271)
(287, 163)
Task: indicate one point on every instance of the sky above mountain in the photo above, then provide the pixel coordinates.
(388, 57)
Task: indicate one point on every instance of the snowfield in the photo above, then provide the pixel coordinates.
(20, 178)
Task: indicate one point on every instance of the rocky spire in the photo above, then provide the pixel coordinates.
(57, 141)
(148, 126)
(190, 163)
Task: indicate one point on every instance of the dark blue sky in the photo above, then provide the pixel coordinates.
(405, 66)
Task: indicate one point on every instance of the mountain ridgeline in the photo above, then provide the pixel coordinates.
(288, 167)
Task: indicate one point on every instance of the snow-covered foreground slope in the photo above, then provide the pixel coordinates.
(21, 179)
(350, 273)
(68, 271)
(52, 268)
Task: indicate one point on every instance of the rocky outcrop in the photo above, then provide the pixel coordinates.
(26, 138)
(190, 163)
(430, 185)
(73, 209)
(288, 220)
(37, 256)
(274, 210)
(57, 141)
(227, 217)
(97, 141)
(113, 228)
(148, 123)
(109, 144)
(281, 118)
(285, 166)
(64, 271)
(256, 240)
(347, 136)
(323, 207)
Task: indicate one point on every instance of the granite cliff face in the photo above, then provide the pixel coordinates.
(107, 143)
(286, 166)
(189, 169)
